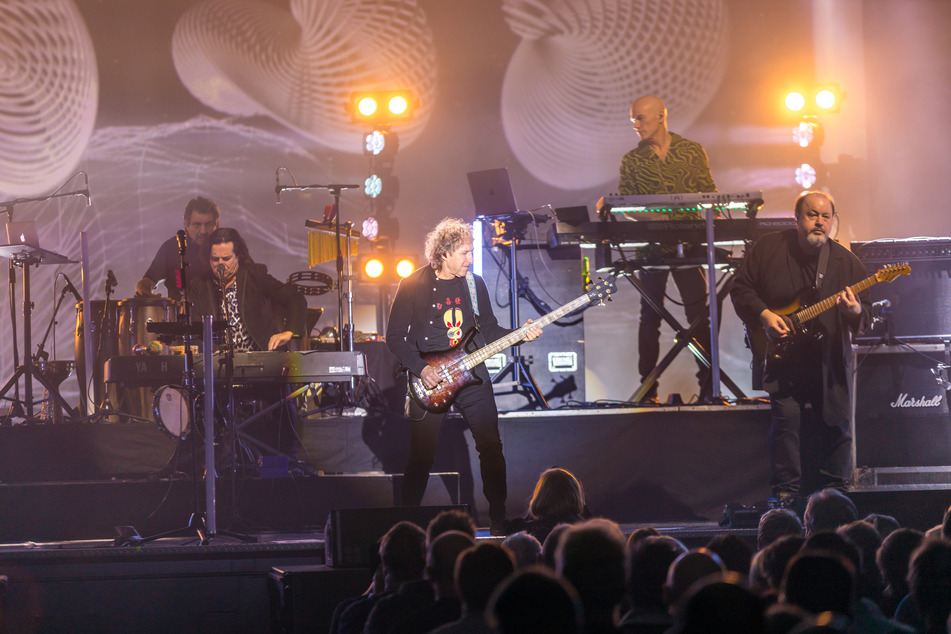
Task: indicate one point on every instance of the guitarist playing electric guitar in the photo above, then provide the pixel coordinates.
(779, 270)
(432, 310)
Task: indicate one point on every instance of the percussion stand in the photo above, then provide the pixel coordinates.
(522, 380)
(344, 273)
(25, 256)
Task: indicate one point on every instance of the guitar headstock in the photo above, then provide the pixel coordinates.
(890, 272)
(600, 289)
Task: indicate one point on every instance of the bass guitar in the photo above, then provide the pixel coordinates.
(778, 351)
(456, 367)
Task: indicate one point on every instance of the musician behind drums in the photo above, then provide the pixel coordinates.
(201, 218)
(666, 163)
(236, 287)
(432, 310)
(780, 270)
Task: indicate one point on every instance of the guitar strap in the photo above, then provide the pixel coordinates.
(823, 263)
(473, 299)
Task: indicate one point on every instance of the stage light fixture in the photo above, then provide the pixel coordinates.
(806, 176)
(805, 133)
(383, 267)
(373, 268)
(825, 99)
(381, 143)
(373, 186)
(381, 107)
(795, 101)
(398, 105)
(405, 267)
(370, 229)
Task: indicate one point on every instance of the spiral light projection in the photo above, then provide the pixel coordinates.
(245, 57)
(49, 90)
(570, 83)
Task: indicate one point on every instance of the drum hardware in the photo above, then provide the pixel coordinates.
(25, 256)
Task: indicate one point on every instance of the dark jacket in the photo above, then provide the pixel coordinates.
(770, 277)
(258, 295)
(411, 309)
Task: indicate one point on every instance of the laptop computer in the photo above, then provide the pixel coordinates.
(492, 192)
(23, 232)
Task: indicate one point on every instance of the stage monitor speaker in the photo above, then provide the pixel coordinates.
(352, 534)
(901, 410)
(920, 303)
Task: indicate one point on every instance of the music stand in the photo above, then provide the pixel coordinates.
(26, 256)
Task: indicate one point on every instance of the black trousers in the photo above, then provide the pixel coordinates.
(785, 440)
(477, 405)
(692, 284)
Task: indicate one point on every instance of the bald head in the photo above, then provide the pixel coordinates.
(651, 104)
(649, 118)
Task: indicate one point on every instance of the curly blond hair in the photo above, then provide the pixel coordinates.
(445, 238)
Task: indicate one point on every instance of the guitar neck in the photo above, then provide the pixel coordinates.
(479, 356)
(811, 312)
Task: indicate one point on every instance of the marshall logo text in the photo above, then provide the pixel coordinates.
(904, 401)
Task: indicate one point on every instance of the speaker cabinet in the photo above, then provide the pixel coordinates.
(919, 303)
(352, 534)
(901, 409)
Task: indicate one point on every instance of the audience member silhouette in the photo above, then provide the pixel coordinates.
(441, 556)
(640, 534)
(550, 545)
(769, 565)
(868, 541)
(648, 562)
(479, 570)
(776, 523)
(884, 524)
(720, 603)
(929, 580)
(450, 520)
(590, 556)
(827, 510)
(525, 547)
(535, 600)
(893, 559)
(687, 569)
(735, 553)
(558, 499)
(403, 558)
(820, 581)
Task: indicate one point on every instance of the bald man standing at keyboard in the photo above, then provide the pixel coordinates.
(666, 163)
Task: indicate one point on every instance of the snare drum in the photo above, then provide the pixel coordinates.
(172, 411)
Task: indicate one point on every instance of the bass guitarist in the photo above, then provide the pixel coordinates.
(432, 310)
(780, 272)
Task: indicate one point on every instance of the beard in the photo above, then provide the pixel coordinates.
(817, 240)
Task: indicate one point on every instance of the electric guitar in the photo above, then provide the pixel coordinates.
(770, 351)
(456, 367)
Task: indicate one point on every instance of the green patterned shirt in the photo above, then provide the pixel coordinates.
(685, 171)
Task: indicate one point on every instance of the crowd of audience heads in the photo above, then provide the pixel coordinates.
(829, 572)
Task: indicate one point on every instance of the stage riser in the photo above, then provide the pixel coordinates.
(91, 510)
(148, 591)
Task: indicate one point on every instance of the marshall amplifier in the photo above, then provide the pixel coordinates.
(901, 406)
(914, 308)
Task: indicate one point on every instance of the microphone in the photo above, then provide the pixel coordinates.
(69, 288)
(277, 185)
(884, 303)
(111, 282)
(182, 240)
(221, 272)
(85, 191)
